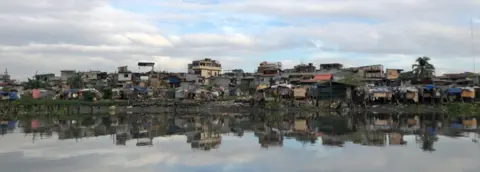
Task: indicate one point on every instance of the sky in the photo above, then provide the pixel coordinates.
(51, 35)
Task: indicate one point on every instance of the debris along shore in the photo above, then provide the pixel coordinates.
(58, 107)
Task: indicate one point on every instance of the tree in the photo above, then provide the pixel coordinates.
(33, 83)
(75, 81)
(423, 69)
(407, 75)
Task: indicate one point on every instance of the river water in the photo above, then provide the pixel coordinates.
(232, 143)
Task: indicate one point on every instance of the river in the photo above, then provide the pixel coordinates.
(233, 143)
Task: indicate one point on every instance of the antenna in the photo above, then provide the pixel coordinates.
(5, 76)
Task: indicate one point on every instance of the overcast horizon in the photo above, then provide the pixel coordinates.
(52, 35)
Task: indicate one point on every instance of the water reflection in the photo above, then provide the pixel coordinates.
(237, 142)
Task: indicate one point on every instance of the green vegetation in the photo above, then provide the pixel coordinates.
(461, 109)
(423, 69)
(354, 79)
(107, 93)
(33, 83)
(75, 81)
(48, 102)
(273, 105)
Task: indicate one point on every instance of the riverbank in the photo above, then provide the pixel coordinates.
(75, 107)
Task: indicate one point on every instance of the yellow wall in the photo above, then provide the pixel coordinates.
(204, 73)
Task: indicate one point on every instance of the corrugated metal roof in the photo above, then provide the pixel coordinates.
(322, 77)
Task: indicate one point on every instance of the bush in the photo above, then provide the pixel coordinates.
(88, 96)
(107, 94)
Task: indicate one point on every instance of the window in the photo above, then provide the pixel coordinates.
(197, 72)
(125, 75)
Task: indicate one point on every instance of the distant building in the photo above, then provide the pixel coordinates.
(268, 73)
(65, 74)
(45, 77)
(466, 78)
(235, 75)
(393, 74)
(205, 67)
(330, 66)
(372, 74)
(4, 78)
(303, 68)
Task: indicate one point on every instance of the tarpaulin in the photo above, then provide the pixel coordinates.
(430, 87)
(34, 124)
(12, 96)
(36, 93)
(454, 90)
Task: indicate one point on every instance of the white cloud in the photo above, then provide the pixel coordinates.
(51, 35)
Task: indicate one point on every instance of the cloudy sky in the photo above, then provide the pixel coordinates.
(50, 35)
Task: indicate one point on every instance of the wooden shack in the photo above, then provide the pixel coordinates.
(334, 91)
(468, 93)
(300, 92)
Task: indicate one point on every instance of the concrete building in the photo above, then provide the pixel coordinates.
(45, 77)
(330, 66)
(65, 74)
(268, 72)
(235, 75)
(303, 68)
(205, 68)
(220, 81)
(373, 74)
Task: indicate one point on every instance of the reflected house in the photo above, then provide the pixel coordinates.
(206, 139)
(300, 125)
(224, 125)
(302, 133)
(470, 124)
(75, 132)
(333, 125)
(413, 125)
(381, 124)
(122, 134)
(334, 130)
(269, 137)
(144, 138)
(332, 141)
(396, 139)
(373, 138)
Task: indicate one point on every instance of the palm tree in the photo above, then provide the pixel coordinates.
(423, 69)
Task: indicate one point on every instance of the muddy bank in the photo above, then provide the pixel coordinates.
(229, 106)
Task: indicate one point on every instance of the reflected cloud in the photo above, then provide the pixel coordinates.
(173, 152)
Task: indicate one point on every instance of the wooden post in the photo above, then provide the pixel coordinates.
(331, 91)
